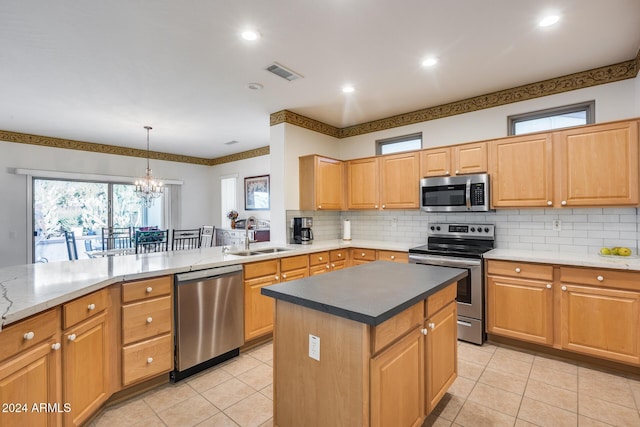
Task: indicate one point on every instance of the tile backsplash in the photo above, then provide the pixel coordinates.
(581, 230)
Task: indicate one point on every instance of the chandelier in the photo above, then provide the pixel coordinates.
(148, 189)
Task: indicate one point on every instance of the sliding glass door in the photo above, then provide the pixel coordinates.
(84, 208)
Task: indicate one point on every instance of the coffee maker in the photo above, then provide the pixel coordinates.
(302, 233)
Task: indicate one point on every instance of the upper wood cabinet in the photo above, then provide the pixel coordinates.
(597, 165)
(322, 182)
(455, 160)
(521, 171)
(363, 183)
(583, 166)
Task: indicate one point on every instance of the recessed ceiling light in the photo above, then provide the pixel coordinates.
(547, 21)
(255, 86)
(347, 88)
(250, 35)
(430, 62)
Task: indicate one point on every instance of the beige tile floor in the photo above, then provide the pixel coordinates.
(496, 386)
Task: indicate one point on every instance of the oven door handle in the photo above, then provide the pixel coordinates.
(448, 262)
(468, 194)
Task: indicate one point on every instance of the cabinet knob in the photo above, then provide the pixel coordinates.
(549, 203)
(276, 277)
(600, 278)
(284, 276)
(447, 173)
(362, 254)
(393, 257)
(91, 307)
(517, 269)
(548, 285)
(424, 331)
(383, 206)
(319, 258)
(333, 265)
(149, 289)
(375, 206)
(29, 335)
(55, 346)
(563, 203)
(149, 359)
(564, 288)
(149, 319)
(71, 337)
(432, 326)
(327, 266)
(319, 206)
(339, 255)
(457, 171)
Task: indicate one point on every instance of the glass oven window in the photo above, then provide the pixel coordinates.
(464, 290)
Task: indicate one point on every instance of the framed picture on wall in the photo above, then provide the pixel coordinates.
(256, 193)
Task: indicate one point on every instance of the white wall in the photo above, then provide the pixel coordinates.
(254, 166)
(614, 101)
(196, 197)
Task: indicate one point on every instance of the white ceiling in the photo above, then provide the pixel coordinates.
(98, 71)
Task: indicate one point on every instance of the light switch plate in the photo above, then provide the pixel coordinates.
(314, 347)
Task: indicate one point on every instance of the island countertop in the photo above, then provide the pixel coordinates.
(370, 293)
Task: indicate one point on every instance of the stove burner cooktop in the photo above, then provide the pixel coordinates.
(460, 240)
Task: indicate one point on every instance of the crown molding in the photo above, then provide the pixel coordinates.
(594, 77)
(262, 151)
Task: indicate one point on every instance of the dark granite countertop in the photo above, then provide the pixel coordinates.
(369, 293)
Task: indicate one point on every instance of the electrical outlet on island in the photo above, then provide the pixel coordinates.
(314, 347)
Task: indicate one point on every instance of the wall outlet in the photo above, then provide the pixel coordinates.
(394, 222)
(557, 225)
(314, 347)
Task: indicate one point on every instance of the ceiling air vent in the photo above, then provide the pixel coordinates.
(284, 72)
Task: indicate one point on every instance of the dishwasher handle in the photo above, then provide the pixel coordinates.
(209, 272)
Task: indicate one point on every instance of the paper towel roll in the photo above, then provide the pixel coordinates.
(346, 230)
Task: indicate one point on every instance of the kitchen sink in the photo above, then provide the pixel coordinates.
(246, 253)
(272, 250)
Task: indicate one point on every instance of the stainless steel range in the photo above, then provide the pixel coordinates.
(461, 246)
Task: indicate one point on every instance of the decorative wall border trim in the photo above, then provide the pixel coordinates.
(594, 77)
(70, 144)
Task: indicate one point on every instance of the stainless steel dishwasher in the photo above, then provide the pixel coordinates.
(209, 326)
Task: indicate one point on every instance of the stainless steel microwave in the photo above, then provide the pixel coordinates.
(464, 193)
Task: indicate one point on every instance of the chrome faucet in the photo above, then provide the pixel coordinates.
(246, 232)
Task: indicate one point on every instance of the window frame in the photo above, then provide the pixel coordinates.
(398, 139)
(589, 107)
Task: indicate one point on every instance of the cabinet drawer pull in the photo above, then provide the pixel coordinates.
(327, 266)
(549, 203)
(339, 255)
(393, 257)
(424, 331)
(362, 254)
(384, 206)
(29, 336)
(276, 277)
(319, 258)
(600, 278)
(457, 171)
(149, 319)
(375, 206)
(91, 307)
(55, 346)
(564, 288)
(149, 359)
(333, 265)
(432, 326)
(149, 289)
(548, 285)
(319, 206)
(517, 269)
(284, 276)
(563, 203)
(71, 337)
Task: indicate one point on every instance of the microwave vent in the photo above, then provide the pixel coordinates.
(284, 72)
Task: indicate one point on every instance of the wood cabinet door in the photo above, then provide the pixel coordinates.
(397, 383)
(329, 184)
(435, 162)
(521, 171)
(400, 181)
(32, 377)
(441, 354)
(597, 165)
(363, 183)
(85, 368)
(601, 322)
(258, 309)
(469, 158)
(520, 308)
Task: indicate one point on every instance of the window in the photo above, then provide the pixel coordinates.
(227, 197)
(398, 144)
(552, 118)
(84, 207)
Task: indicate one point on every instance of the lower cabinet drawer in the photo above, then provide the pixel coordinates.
(145, 319)
(27, 333)
(147, 359)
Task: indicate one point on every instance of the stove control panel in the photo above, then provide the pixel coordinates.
(462, 230)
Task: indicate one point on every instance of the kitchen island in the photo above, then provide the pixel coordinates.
(373, 345)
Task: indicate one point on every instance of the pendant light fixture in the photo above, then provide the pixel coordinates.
(148, 189)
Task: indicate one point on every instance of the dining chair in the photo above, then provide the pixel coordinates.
(206, 236)
(116, 237)
(70, 240)
(152, 241)
(185, 239)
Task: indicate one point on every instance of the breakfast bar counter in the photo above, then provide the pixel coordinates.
(372, 345)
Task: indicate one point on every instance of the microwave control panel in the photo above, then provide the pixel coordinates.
(477, 194)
